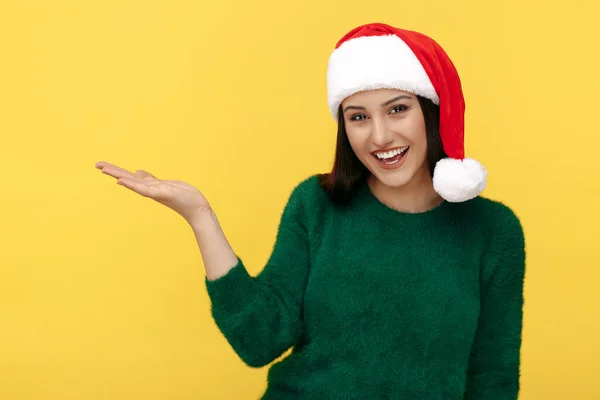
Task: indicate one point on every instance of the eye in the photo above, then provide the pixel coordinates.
(357, 117)
(399, 108)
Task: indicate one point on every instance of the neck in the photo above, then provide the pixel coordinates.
(415, 197)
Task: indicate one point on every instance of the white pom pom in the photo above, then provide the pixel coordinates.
(459, 180)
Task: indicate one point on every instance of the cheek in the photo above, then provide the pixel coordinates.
(420, 145)
(413, 131)
(416, 132)
(420, 140)
(357, 141)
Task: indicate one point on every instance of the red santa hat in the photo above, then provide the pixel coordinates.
(375, 56)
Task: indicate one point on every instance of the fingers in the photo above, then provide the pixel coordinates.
(141, 182)
(143, 174)
(104, 164)
(137, 186)
(113, 170)
(101, 164)
(118, 172)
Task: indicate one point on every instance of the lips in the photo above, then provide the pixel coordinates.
(391, 158)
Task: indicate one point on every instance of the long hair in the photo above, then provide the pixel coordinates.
(348, 172)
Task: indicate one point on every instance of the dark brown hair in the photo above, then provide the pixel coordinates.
(348, 172)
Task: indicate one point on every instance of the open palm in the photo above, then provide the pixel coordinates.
(183, 198)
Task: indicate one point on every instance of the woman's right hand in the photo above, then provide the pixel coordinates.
(181, 197)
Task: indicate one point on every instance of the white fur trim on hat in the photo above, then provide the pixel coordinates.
(375, 62)
(459, 180)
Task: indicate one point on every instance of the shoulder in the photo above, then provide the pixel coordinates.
(308, 202)
(495, 215)
(501, 225)
(308, 192)
(306, 197)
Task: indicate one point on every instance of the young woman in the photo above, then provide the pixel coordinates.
(391, 276)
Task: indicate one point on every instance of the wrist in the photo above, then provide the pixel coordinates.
(201, 219)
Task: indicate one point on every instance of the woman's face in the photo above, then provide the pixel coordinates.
(386, 130)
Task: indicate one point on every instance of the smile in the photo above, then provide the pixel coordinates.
(391, 157)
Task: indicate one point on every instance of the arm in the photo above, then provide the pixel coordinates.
(217, 255)
(494, 364)
(261, 317)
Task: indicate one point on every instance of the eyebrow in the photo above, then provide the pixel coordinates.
(390, 101)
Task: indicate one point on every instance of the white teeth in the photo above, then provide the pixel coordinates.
(392, 153)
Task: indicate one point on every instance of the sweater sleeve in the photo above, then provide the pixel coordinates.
(494, 364)
(261, 317)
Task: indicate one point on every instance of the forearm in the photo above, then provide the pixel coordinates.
(489, 386)
(217, 255)
(260, 316)
(494, 365)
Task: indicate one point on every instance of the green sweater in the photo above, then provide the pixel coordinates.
(379, 304)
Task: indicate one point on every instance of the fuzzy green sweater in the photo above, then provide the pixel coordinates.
(379, 304)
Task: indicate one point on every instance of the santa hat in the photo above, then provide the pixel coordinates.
(375, 56)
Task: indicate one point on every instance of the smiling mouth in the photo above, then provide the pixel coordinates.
(391, 157)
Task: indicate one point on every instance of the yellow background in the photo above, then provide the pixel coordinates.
(101, 291)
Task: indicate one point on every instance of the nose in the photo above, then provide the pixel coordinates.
(381, 135)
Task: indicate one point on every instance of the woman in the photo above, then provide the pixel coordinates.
(391, 277)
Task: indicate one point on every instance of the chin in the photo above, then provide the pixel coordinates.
(411, 167)
(394, 179)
